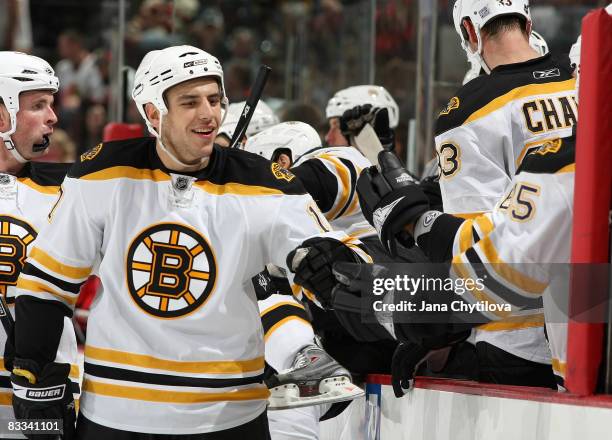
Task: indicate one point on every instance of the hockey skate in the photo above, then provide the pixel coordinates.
(315, 378)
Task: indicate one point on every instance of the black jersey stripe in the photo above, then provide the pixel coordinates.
(30, 269)
(509, 295)
(353, 173)
(123, 374)
(284, 311)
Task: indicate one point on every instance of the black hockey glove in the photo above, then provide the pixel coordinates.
(43, 394)
(409, 356)
(271, 281)
(404, 364)
(312, 264)
(353, 300)
(353, 120)
(390, 199)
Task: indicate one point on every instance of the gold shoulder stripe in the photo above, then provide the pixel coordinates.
(528, 146)
(125, 172)
(39, 188)
(283, 303)
(571, 168)
(74, 272)
(198, 367)
(522, 92)
(172, 396)
(283, 321)
(36, 287)
(236, 189)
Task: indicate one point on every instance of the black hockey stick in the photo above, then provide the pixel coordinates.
(5, 316)
(249, 106)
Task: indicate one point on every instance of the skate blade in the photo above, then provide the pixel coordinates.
(333, 390)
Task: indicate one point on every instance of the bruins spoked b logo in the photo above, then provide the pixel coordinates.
(15, 237)
(171, 270)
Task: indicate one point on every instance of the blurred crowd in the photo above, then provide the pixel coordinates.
(314, 47)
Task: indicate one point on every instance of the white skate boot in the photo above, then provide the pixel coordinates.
(315, 378)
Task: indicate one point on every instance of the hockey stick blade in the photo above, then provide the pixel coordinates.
(368, 143)
(249, 106)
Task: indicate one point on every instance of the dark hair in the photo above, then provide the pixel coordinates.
(505, 23)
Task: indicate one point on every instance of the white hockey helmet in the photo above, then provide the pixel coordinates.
(538, 43)
(263, 117)
(297, 137)
(350, 97)
(20, 72)
(481, 12)
(161, 69)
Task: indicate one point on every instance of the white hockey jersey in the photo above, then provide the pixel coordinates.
(493, 121)
(25, 202)
(330, 175)
(174, 340)
(485, 132)
(518, 248)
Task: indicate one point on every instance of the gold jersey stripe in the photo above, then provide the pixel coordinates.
(514, 323)
(528, 145)
(559, 366)
(74, 272)
(197, 367)
(571, 168)
(280, 304)
(535, 90)
(509, 273)
(38, 188)
(152, 395)
(37, 287)
(283, 321)
(478, 294)
(466, 238)
(125, 172)
(468, 215)
(6, 398)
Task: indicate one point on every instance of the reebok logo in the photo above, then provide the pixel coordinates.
(247, 109)
(542, 74)
(381, 214)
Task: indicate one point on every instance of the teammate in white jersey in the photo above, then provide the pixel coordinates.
(175, 228)
(28, 191)
(490, 125)
(262, 118)
(512, 250)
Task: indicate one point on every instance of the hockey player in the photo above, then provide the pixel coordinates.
(29, 190)
(263, 117)
(346, 99)
(173, 227)
(536, 41)
(529, 225)
(489, 126)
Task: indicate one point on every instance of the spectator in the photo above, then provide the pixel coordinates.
(78, 72)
